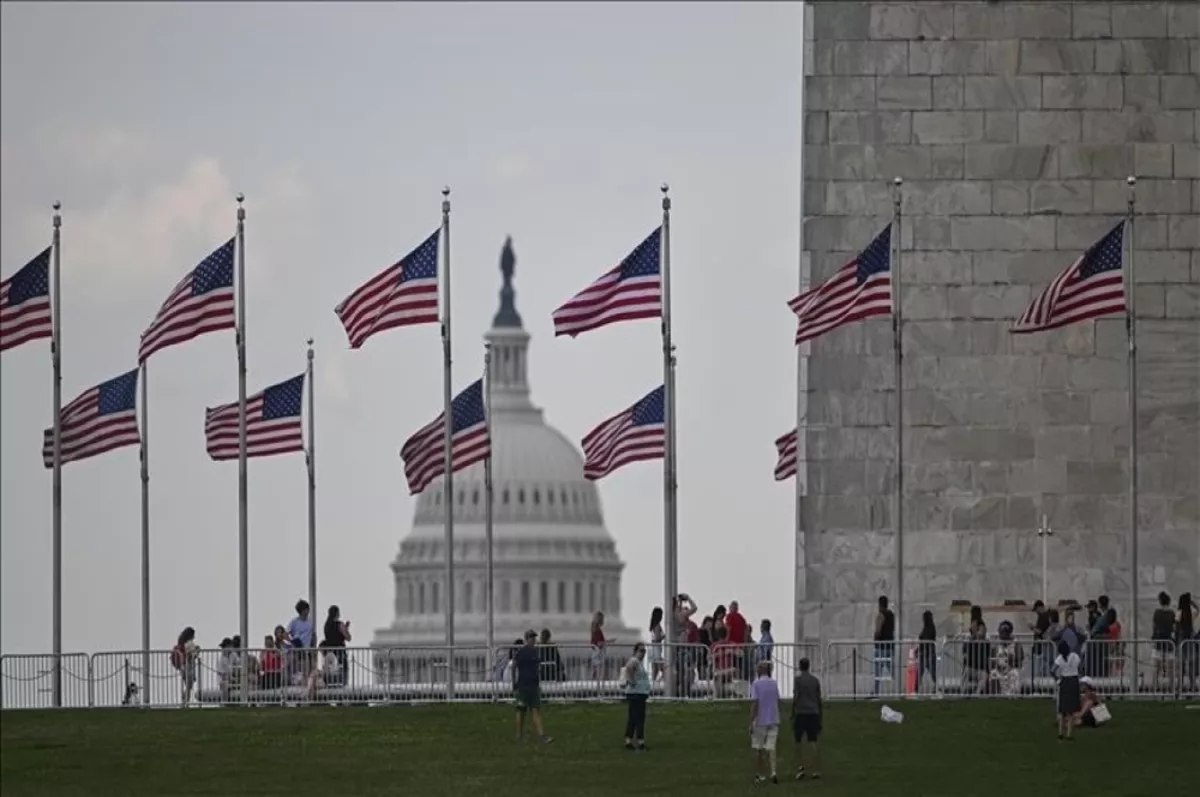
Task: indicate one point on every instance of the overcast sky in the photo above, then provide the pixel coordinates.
(554, 123)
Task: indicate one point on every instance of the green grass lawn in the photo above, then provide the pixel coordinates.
(1001, 748)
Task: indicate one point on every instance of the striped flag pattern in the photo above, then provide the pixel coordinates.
(272, 423)
(634, 435)
(101, 419)
(860, 289)
(1093, 286)
(402, 295)
(203, 301)
(424, 452)
(631, 291)
(785, 447)
(25, 313)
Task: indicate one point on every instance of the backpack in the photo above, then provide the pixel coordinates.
(177, 656)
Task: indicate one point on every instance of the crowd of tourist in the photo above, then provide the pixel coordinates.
(992, 663)
(721, 648)
(290, 656)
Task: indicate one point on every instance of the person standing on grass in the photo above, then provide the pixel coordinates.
(637, 693)
(807, 710)
(657, 648)
(885, 648)
(1162, 633)
(527, 684)
(738, 634)
(303, 637)
(686, 634)
(766, 643)
(764, 723)
(599, 647)
(1066, 668)
(183, 658)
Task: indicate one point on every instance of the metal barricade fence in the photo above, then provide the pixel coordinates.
(859, 669)
(569, 672)
(120, 678)
(849, 669)
(28, 680)
(1187, 668)
(340, 675)
(997, 667)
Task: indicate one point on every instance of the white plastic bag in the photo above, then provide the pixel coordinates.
(888, 714)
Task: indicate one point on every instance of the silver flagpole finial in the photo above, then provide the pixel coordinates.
(57, 206)
(1131, 180)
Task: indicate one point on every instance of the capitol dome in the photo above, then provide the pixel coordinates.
(555, 564)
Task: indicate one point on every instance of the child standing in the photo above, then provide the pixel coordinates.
(1066, 668)
(764, 722)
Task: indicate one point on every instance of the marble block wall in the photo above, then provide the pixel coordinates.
(1014, 126)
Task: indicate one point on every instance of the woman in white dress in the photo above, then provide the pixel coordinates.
(1066, 669)
(657, 635)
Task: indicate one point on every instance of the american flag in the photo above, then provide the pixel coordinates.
(25, 303)
(860, 289)
(101, 419)
(272, 423)
(785, 468)
(201, 302)
(424, 452)
(1093, 286)
(637, 434)
(400, 296)
(630, 291)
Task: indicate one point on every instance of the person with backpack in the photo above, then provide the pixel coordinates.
(183, 659)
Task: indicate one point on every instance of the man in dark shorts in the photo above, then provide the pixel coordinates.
(527, 684)
(807, 708)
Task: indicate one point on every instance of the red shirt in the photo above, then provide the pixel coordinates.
(693, 633)
(723, 655)
(736, 624)
(598, 637)
(271, 661)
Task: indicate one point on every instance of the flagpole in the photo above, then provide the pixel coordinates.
(488, 510)
(670, 542)
(448, 426)
(144, 378)
(56, 489)
(310, 460)
(800, 557)
(897, 343)
(1131, 329)
(243, 514)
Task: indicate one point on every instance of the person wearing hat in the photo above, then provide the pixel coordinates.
(1094, 712)
(527, 683)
